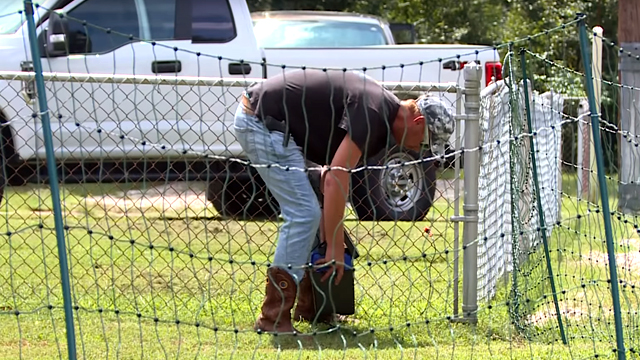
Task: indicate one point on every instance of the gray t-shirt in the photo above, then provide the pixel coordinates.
(322, 106)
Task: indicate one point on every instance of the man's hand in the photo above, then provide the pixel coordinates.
(337, 269)
(335, 186)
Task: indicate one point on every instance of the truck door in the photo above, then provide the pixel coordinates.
(152, 38)
(211, 38)
(92, 49)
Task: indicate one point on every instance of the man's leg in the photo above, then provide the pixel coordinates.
(306, 307)
(300, 210)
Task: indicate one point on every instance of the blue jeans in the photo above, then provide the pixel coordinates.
(292, 189)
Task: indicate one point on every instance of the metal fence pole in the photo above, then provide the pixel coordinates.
(53, 180)
(456, 208)
(472, 77)
(604, 195)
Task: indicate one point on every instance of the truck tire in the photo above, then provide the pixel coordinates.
(4, 171)
(7, 154)
(242, 198)
(401, 193)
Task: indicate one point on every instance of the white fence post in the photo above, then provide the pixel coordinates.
(596, 65)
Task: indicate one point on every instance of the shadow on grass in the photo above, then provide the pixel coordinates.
(375, 334)
(347, 336)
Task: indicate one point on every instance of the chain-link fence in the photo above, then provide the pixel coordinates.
(167, 228)
(163, 250)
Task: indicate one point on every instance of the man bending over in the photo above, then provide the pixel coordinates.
(332, 118)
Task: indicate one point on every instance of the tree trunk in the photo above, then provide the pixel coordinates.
(628, 17)
(629, 172)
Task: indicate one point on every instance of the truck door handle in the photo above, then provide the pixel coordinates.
(166, 66)
(239, 69)
(454, 65)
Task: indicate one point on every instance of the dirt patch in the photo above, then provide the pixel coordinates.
(174, 196)
(633, 243)
(626, 261)
(179, 196)
(567, 312)
(446, 189)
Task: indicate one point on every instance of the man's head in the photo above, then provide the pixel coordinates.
(409, 125)
(425, 120)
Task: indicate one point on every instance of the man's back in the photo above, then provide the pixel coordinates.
(321, 106)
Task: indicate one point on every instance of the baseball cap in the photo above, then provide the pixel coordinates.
(440, 122)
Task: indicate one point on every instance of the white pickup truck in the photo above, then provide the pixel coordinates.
(106, 129)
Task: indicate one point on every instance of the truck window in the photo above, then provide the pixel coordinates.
(212, 21)
(284, 33)
(118, 15)
(162, 18)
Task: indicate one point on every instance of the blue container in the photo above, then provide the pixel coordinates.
(317, 255)
(330, 298)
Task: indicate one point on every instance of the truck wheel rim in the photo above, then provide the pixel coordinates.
(402, 185)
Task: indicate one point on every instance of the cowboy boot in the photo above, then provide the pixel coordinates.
(279, 298)
(305, 309)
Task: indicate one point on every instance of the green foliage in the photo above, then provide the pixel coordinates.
(555, 79)
(467, 21)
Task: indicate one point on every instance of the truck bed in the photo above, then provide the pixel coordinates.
(384, 62)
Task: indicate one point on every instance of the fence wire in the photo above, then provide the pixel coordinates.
(167, 260)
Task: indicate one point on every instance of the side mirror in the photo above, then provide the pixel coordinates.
(57, 35)
(403, 33)
(64, 37)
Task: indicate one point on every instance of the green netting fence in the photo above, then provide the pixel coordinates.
(529, 248)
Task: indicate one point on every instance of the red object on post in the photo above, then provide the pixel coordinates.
(491, 70)
(428, 231)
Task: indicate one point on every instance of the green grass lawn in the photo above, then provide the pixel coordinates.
(182, 297)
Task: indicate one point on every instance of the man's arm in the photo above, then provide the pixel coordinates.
(336, 189)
